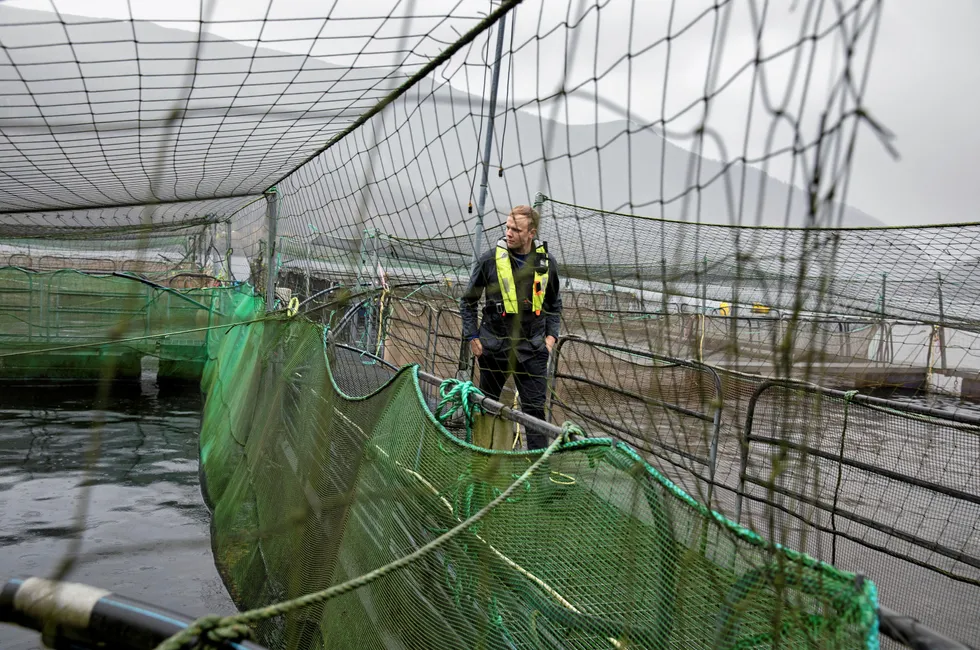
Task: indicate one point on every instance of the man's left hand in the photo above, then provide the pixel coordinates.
(549, 342)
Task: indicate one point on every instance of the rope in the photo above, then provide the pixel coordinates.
(226, 628)
(455, 395)
(848, 396)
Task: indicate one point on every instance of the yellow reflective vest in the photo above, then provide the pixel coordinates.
(505, 277)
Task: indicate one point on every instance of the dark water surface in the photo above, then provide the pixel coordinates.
(146, 494)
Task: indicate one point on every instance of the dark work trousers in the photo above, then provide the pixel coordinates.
(529, 378)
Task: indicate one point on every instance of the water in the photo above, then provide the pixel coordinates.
(147, 533)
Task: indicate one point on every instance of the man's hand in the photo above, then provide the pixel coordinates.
(476, 347)
(549, 342)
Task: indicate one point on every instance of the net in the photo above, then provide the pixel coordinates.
(311, 487)
(866, 484)
(690, 163)
(69, 325)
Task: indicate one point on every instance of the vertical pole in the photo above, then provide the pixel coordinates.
(464, 350)
(488, 143)
(704, 310)
(309, 265)
(215, 254)
(272, 217)
(942, 326)
(883, 341)
(228, 271)
(704, 287)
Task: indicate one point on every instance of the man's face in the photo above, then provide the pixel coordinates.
(519, 236)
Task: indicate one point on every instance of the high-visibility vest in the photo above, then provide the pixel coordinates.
(505, 277)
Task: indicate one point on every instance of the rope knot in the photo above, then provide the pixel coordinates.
(223, 634)
(211, 631)
(458, 395)
(569, 430)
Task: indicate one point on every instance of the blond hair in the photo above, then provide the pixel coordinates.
(533, 218)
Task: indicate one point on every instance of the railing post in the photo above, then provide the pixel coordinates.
(435, 339)
(744, 438)
(272, 218)
(929, 356)
(551, 376)
(228, 251)
(942, 327)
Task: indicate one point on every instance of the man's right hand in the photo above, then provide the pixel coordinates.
(476, 347)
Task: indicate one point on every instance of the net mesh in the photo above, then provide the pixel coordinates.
(844, 494)
(599, 551)
(72, 325)
(691, 165)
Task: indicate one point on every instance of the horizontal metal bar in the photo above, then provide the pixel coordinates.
(646, 400)
(496, 408)
(913, 634)
(879, 471)
(842, 534)
(891, 531)
(868, 400)
(629, 434)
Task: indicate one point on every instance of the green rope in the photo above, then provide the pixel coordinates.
(214, 628)
(455, 395)
(848, 396)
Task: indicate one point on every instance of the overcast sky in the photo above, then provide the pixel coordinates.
(923, 85)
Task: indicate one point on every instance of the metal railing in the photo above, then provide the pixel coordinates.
(899, 628)
(633, 414)
(867, 484)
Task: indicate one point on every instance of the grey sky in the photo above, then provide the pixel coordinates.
(922, 86)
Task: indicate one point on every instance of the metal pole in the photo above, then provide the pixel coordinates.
(309, 265)
(464, 350)
(231, 274)
(883, 341)
(215, 254)
(704, 288)
(942, 326)
(272, 217)
(488, 143)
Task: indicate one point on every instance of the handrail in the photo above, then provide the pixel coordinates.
(715, 418)
(913, 634)
(491, 406)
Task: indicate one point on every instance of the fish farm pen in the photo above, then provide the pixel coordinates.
(762, 421)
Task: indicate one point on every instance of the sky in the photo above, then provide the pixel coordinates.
(922, 85)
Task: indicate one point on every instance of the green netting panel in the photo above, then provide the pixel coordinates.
(72, 325)
(310, 487)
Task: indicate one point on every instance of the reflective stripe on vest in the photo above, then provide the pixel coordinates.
(505, 277)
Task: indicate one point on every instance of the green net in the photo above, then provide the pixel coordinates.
(71, 325)
(311, 487)
(691, 164)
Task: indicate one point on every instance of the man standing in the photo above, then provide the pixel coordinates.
(521, 316)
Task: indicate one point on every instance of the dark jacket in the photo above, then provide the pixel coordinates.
(497, 332)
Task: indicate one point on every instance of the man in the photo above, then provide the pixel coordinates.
(521, 316)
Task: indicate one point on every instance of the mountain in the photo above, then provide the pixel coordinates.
(108, 138)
